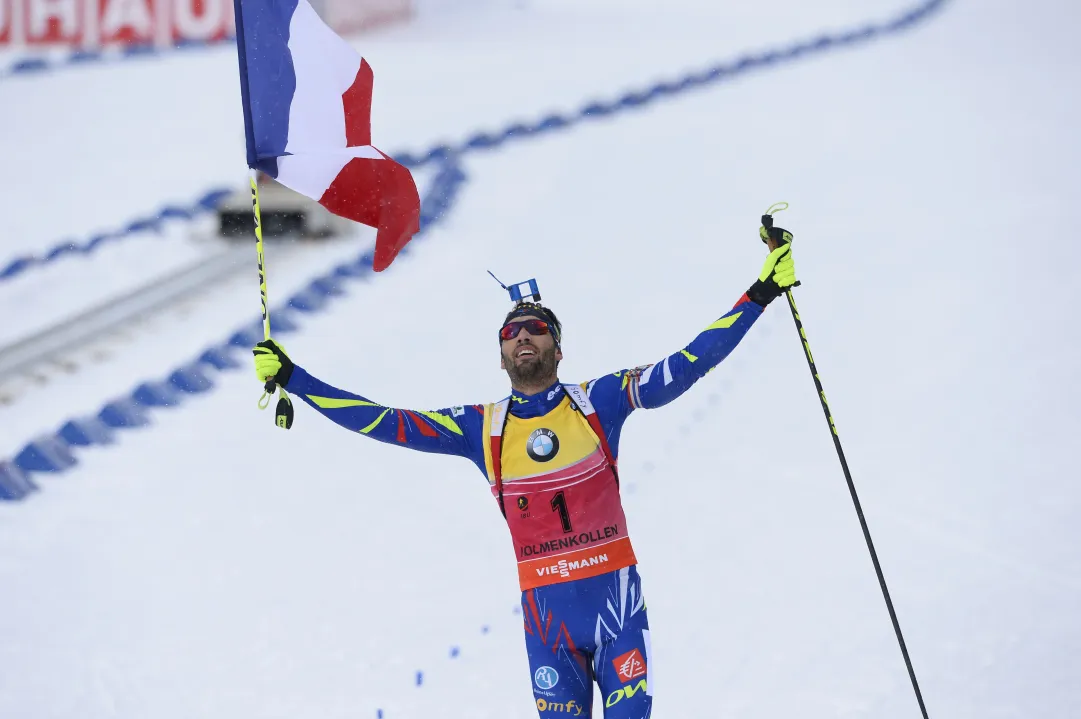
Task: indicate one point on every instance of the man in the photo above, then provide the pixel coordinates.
(549, 453)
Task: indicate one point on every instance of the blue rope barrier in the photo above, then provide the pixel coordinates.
(208, 202)
(636, 99)
(46, 63)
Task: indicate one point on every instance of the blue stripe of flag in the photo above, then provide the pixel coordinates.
(267, 78)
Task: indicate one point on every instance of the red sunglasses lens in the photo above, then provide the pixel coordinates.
(534, 327)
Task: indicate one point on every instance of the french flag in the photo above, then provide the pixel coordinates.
(307, 120)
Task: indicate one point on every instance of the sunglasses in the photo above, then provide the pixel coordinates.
(535, 327)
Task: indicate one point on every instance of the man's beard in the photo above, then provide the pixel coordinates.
(532, 372)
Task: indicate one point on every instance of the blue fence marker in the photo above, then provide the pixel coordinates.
(282, 323)
(219, 359)
(156, 394)
(249, 336)
(307, 300)
(191, 379)
(15, 484)
(330, 285)
(86, 431)
(47, 453)
(123, 414)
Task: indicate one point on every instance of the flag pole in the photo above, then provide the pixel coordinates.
(284, 411)
(253, 178)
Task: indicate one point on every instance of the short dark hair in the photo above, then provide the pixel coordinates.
(532, 308)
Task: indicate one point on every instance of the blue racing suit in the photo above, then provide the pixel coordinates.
(551, 463)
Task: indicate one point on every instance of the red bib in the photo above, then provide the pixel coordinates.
(556, 480)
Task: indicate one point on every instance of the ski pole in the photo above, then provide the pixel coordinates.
(773, 236)
(284, 410)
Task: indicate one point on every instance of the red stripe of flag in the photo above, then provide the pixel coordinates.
(357, 104)
(381, 194)
(376, 193)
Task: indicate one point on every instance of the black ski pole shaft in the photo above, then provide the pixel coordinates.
(856, 500)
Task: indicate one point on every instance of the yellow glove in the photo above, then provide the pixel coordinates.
(271, 362)
(779, 272)
(780, 267)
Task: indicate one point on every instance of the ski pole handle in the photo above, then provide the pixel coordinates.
(774, 237)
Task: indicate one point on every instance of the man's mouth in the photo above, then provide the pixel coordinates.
(525, 352)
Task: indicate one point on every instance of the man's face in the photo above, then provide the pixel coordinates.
(528, 358)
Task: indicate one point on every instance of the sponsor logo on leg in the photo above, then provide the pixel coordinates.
(625, 692)
(629, 666)
(572, 707)
(546, 677)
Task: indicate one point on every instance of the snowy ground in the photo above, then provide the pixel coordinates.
(44, 292)
(214, 566)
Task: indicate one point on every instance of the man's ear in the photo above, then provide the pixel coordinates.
(559, 355)
(502, 361)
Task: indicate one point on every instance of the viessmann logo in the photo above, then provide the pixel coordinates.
(564, 568)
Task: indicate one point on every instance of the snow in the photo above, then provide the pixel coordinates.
(44, 293)
(214, 566)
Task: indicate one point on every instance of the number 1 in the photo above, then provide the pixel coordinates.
(559, 504)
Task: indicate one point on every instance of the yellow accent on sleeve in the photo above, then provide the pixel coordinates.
(489, 468)
(725, 322)
(338, 403)
(443, 420)
(689, 356)
(375, 424)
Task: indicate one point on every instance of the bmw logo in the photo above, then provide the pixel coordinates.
(542, 445)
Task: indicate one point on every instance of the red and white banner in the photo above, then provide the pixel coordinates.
(92, 24)
(351, 16)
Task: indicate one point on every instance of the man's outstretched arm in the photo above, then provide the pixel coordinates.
(454, 430)
(655, 385)
(660, 383)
